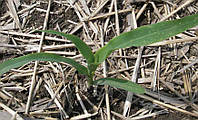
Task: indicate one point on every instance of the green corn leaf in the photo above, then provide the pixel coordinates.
(120, 83)
(146, 35)
(84, 49)
(17, 62)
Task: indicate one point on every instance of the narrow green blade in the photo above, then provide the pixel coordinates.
(17, 62)
(120, 83)
(84, 49)
(146, 35)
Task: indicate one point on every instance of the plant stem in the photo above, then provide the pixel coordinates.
(90, 80)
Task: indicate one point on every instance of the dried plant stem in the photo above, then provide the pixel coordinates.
(166, 105)
(194, 106)
(32, 36)
(81, 102)
(179, 8)
(128, 100)
(190, 39)
(58, 104)
(105, 75)
(13, 113)
(127, 105)
(110, 13)
(141, 11)
(12, 9)
(31, 91)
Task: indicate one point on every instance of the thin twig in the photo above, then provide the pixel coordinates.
(36, 63)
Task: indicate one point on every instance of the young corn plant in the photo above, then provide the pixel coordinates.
(141, 36)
